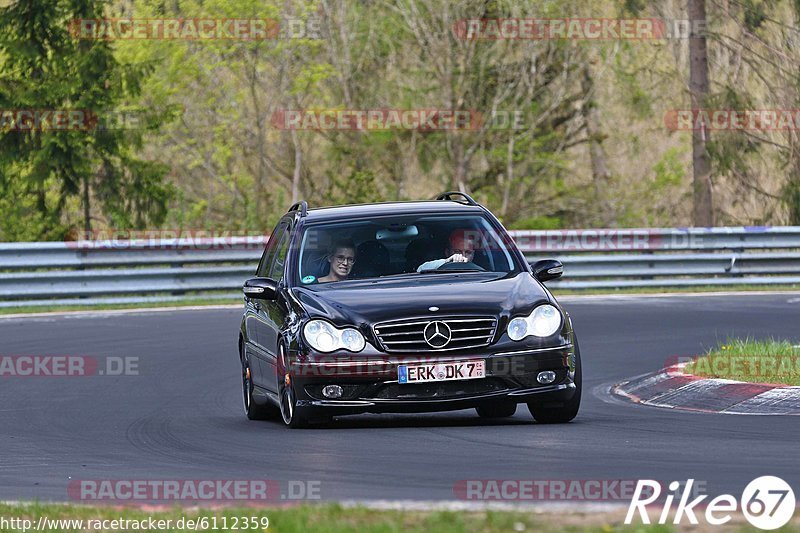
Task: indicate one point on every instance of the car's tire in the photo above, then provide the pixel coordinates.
(292, 416)
(544, 413)
(497, 410)
(251, 408)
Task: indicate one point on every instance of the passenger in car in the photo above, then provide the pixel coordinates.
(460, 249)
(342, 257)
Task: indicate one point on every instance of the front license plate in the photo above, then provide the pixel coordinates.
(441, 371)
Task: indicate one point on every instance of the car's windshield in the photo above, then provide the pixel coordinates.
(392, 246)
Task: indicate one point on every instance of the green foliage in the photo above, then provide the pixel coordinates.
(670, 171)
(360, 187)
(754, 14)
(634, 7)
(629, 85)
(44, 68)
(791, 197)
(208, 155)
(541, 222)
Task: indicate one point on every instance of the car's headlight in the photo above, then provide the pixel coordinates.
(543, 322)
(325, 337)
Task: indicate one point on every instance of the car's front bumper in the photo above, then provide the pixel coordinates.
(370, 384)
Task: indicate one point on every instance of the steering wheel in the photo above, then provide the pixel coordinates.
(469, 265)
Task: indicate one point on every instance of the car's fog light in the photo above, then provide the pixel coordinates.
(332, 391)
(546, 377)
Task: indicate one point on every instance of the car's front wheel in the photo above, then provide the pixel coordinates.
(546, 413)
(291, 415)
(251, 408)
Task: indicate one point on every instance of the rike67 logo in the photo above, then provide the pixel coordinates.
(767, 502)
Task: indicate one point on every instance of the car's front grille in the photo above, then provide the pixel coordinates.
(408, 335)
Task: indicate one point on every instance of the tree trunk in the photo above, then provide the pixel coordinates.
(298, 165)
(261, 144)
(505, 182)
(460, 160)
(703, 212)
(597, 155)
(87, 210)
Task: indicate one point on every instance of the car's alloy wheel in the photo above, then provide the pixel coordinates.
(246, 387)
(287, 405)
(559, 414)
(289, 412)
(252, 409)
(497, 410)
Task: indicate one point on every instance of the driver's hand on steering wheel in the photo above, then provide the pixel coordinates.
(457, 258)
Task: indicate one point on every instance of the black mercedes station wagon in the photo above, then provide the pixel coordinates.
(403, 307)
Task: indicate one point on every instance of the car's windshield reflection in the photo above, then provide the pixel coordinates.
(401, 246)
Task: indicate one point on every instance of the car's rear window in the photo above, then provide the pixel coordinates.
(408, 244)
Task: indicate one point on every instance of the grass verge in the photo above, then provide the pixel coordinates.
(188, 302)
(757, 361)
(327, 518)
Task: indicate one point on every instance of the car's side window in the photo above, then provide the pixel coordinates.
(264, 266)
(277, 270)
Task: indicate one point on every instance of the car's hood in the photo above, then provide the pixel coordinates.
(387, 299)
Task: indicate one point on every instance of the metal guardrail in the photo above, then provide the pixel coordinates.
(97, 272)
(669, 257)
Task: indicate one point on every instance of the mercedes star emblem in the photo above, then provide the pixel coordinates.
(437, 334)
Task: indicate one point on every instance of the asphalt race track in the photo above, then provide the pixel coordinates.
(181, 417)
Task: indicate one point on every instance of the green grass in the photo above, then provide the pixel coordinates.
(188, 302)
(757, 361)
(333, 518)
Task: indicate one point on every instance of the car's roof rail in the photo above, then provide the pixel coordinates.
(449, 196)
(302, 205)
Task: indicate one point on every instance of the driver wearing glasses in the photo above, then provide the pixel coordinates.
(342, 257)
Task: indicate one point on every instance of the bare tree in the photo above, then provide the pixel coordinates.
(703, 212)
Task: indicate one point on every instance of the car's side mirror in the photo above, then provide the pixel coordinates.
(261, 288)
(547, 269)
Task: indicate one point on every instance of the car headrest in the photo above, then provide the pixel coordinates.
(372, 259)
(418, 251)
